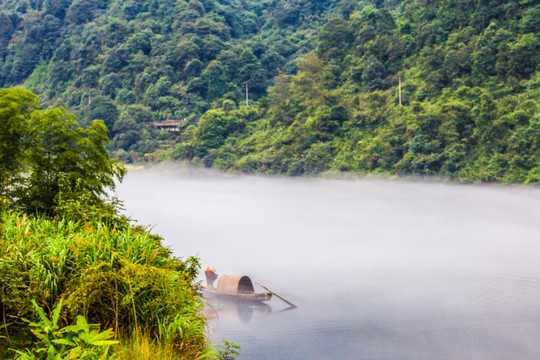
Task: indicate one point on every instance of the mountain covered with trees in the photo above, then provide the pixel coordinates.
(469, 107)
(324, 80)
(133, 63)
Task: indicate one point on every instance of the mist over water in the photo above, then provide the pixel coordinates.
(379, 269)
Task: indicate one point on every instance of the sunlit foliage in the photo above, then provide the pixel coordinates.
(48, 162)
(469, 106)
(174, 57)
(112, 275)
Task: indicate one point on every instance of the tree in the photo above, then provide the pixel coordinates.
(374, 74)
(334, 40)
(15, 106)
(214, 78)
(130, 123)
(215, 126)
(58, 161)
(81, 11)
(103, 108)
(251, 73)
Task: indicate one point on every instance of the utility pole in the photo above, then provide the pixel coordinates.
(400, 104)
(247, 95)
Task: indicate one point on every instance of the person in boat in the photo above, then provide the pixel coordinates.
(211, 276)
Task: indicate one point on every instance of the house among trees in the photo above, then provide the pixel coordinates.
(171, 126)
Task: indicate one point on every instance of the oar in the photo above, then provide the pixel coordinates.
(273, 293)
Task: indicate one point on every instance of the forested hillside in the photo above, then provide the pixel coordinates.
(469, 108)
(132, 63)
(468, 68)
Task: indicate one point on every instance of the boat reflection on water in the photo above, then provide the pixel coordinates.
(229, 310)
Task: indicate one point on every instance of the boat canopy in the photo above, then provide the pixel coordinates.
(235, 284)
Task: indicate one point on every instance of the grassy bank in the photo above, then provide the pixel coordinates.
(111, 274)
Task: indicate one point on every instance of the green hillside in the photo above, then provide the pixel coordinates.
(132, 63)
(469, 108)
(468, 68)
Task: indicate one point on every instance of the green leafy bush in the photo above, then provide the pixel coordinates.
(80, 341)
(110, 274)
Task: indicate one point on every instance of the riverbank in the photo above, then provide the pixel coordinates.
(115, 275)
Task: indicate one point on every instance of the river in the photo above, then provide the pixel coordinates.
(379, 269)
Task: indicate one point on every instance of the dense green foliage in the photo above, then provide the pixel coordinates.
(470, 96)
(130, 63)
(116, 276)
(80, 341)
(48, 162)
(75, 266)
(469, 71)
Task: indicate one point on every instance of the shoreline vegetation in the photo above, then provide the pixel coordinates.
(115, 275)
(79, 280)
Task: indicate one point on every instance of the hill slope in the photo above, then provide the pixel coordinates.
(470, 99)
(468, 68)
(133, 62)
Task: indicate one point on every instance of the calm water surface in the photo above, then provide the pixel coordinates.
(379, 269)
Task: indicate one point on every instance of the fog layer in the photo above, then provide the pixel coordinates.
(379, 269)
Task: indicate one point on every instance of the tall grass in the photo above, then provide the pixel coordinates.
(117, 276)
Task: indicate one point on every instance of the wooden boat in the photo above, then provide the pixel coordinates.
(235, 287)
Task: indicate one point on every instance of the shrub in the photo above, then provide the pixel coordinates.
(120, 277)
